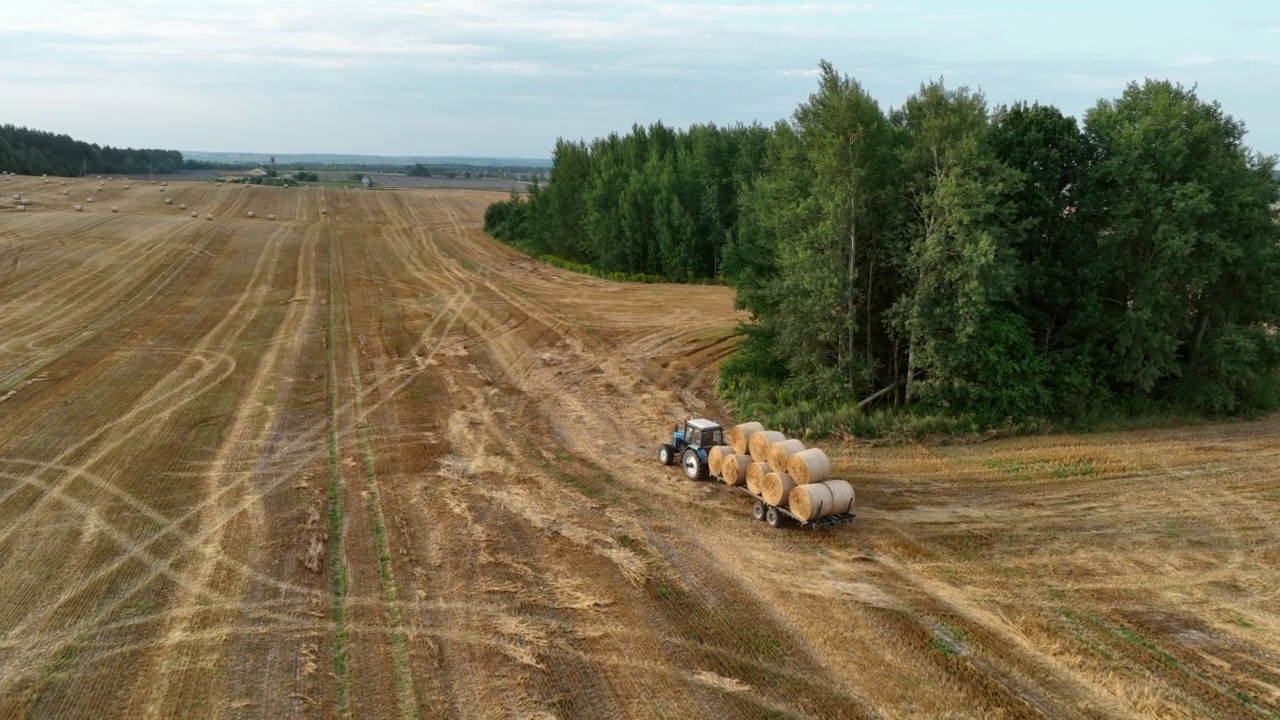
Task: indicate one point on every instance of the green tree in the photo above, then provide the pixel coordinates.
(965, 348)
(1191, 285)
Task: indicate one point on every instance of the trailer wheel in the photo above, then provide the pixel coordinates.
(773, 517)
(666, 454)
(757, 512)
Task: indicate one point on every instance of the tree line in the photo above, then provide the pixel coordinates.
(35, 152)
(946, 259)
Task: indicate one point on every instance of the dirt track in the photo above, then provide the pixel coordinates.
(369, 463)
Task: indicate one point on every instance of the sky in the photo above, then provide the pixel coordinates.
(507, 77)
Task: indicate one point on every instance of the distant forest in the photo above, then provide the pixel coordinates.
(945, 265)
(34, 152)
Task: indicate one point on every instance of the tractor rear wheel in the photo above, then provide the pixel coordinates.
(694, 467)
(666, 454)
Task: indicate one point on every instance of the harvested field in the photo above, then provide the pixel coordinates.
(372, 464)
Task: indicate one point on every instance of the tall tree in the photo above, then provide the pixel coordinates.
(1191, 285)
(964, 346)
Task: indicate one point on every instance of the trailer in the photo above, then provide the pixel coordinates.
(776, 515)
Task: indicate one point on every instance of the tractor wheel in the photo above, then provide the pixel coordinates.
(666, 454)
(773, 517)
(694, 467)
(758, 511)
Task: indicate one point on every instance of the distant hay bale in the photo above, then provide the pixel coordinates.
(115, 208)
(755, 475)
(195, 214)
(209, 216)
(324, 211)
(22, 208)
(780, 452)
(809, 466)
(66, 192)
(740, 435)
(776, 487)
(24, 202)
(165, 184)
(126, 187)
(168, 201)
(161, 189)
(183, 206)
(733, 470)
(271, 217)
(79, 208)
(758, 446)
(88, 199)
(251, 214)
(17, 196)
(715, 458)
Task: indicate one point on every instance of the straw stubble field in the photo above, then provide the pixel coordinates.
(368, 463)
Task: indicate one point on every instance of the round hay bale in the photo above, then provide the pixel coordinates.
(88, 199)
(17, 196)
(780, 452)
(161, 189)
(716, 457)
(22, 208)
(183, 206)
(252, 214)
(841, 496)
(168, 201)
(115, 208)
(733, 471)
(79, 208)
(758, 445)
(66, 192)
(809, 466)
(776, 488)
(755, 475)
(209, 216)
(24, 202)
(195, 214)
(271, 217)
(740, 435)
(165, 184)
(126, 187)
(810, 502)
(323, 211)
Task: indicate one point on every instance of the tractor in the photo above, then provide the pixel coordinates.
(690, 444)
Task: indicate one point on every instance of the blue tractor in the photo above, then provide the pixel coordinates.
(690, 444)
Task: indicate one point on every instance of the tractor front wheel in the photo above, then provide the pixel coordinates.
(666, 454)
(693, 465)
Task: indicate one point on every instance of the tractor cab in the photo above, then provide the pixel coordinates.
(690, 444)
(699, 434)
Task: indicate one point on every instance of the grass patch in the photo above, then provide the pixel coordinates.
(337, 569)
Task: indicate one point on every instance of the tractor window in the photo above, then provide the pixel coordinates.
(716, 437)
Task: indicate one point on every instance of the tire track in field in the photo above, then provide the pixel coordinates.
(153, 404)
(231, 496)
(407, 696)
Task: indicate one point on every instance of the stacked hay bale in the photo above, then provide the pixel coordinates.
(782, 471)
(818, 500)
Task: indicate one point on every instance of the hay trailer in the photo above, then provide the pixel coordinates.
(691, 443)
(776, 515)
